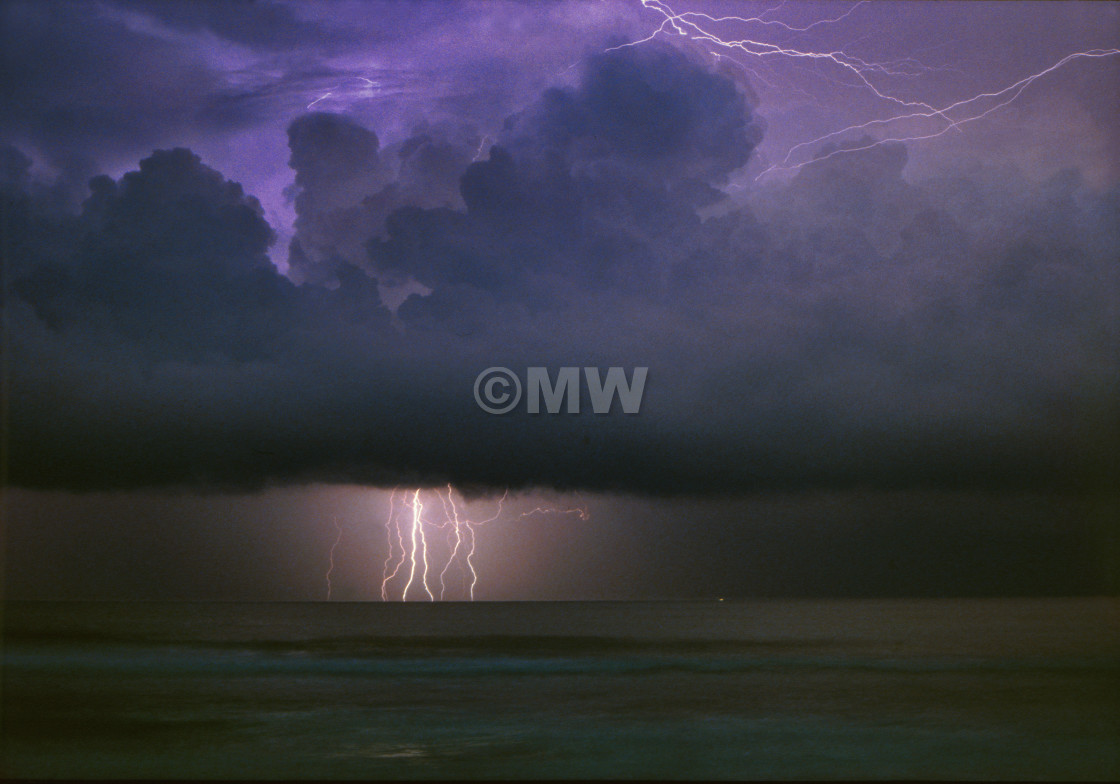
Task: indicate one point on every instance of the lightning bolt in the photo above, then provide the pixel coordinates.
(698, 27)
(577, 510)
(365, 91)
(1001, 99)
(323, 97)
(333, 548)
(400, 541)
(474, 537)
(425, 557)
(418, 533)
(768, 22)
(452, 513)
(481, 147)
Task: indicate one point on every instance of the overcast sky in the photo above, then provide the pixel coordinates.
(256, 254)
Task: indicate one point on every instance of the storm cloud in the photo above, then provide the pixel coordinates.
(847, 328)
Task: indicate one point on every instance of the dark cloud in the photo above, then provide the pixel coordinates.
(592, 187)
(847, 328)
(650, 107)
(76, 80)
(172, 256)
(346, 186)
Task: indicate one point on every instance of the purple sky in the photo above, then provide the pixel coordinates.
(257, 253)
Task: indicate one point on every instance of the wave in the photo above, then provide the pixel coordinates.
(498, 656)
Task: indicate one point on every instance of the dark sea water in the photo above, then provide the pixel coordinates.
(758, 689)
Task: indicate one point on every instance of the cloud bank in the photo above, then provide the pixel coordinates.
(847, 328)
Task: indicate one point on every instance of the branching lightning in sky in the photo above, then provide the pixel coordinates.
(420, 515)
(365, 92)
(758, 44)
(576, 510)
(906, 120)
(392, 524)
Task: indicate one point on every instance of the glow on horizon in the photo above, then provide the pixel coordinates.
(411, 523)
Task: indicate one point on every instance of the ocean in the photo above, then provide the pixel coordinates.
(959, 689)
